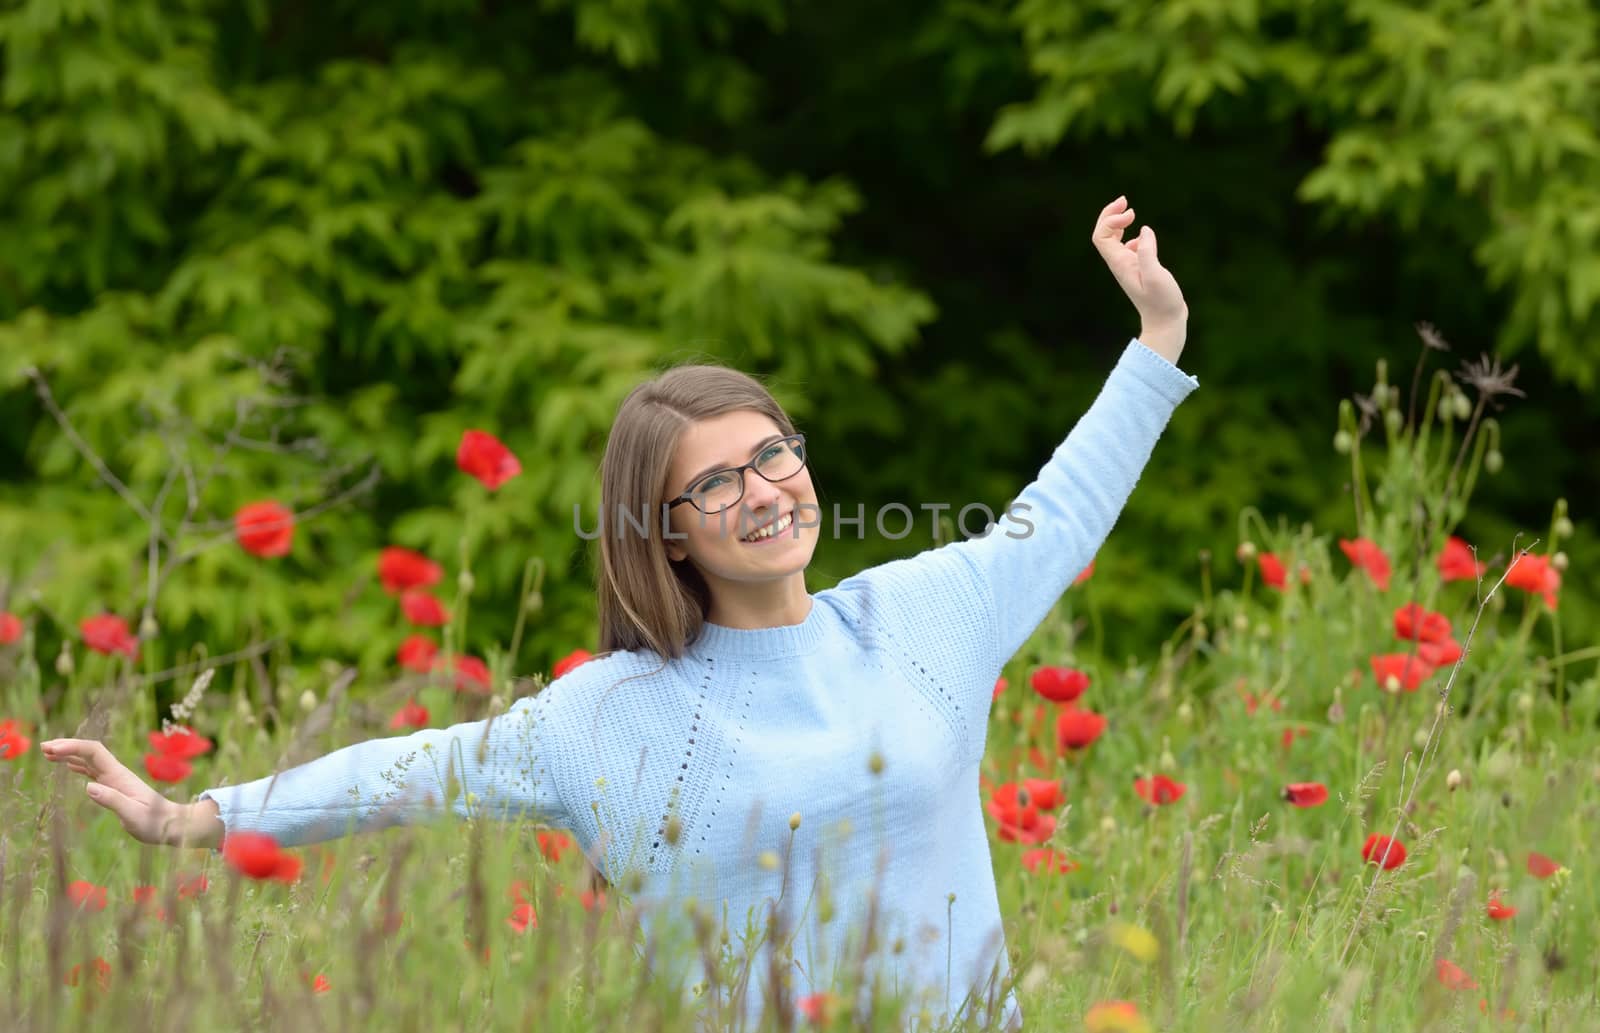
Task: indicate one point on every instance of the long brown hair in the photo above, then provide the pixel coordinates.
(648, 601)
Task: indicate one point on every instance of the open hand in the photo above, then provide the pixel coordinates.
(148, 816)
(1148, 284)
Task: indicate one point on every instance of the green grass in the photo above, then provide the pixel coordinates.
(1227, 909)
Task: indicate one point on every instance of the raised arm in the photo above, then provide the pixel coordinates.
(969, 605)
(501, 767)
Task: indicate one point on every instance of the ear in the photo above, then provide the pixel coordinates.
(675, 552)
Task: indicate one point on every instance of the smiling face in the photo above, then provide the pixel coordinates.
(713, 542)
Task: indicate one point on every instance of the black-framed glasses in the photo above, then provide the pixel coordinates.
(722, 489)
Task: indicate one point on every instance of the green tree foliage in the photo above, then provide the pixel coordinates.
(1493, 104)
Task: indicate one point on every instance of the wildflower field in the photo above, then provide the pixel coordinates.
(1356, 789)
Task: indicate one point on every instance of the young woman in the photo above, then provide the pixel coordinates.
(762, 750)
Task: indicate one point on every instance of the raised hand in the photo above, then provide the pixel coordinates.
(1149, 285)
(148, 816)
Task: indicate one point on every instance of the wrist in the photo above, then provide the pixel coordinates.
(197, 824)
(1166, 339)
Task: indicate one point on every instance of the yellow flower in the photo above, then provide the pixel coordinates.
(1136, 941)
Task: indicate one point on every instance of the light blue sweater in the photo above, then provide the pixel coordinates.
(753, 726)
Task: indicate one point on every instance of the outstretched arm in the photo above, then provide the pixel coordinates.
(500, 767)
(969, 605)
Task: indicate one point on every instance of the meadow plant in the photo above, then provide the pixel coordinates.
(1353, 790)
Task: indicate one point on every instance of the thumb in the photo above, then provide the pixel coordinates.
(112, 800)
(1148, 261)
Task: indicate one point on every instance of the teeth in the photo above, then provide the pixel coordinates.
(771, 529)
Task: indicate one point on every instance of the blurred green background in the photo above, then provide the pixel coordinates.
(293, 250)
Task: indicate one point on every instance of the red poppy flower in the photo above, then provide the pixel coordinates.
(1159, 789)
(1272, 573)
(102, 974)
(1290, 734)
(422, 608)
(590, 900)
(1406, 671)
(417, 653)
(258, 856)
(264, 528)
(1085, 575)
(553, 844)
(412, 715)
(471, 674)
(1364, 553)
(109, 634)
(816, 1007)
(1052, 861)
(1456, 562)
(1076, 729)
(165, 768)
(1412, 621)
(1542, 867)
(1000, 684)
(13, 743)
(1039, 793)
(86, 895)
(576, 658)
(1252, 702)
(1306, 794)
(10, 627)
(320, 984)
(1533, 573)
(148, 898)
(1030, 827)
(1439, 654)
(1498, 909)
(1453, 976)
(181, 743)
(1059, 684)
(485, 457)
(192, 886)
(1110, 1016)
(1390, 853)
(400, 568)
(523, 917)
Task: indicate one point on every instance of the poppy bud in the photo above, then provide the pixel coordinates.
(768, 860)
(1108, 824)
(1241, 623)
(534, 602)
(1185, 712)
(1343, 442)
(899, 946)
(308, 701)
(465, 581)
(1462, 405)
(148, 628)
(1391, 684)
(1525, 701)
(1392, 420)
(1493, 461)
(1246, 551)
(1452, 781)
(1559, 561)
(673, 830)
(1421, 738)
(794, 822)
(64, 660)
(875, 763)
(951, 898)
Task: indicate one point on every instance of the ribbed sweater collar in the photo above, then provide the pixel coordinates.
(718, 640)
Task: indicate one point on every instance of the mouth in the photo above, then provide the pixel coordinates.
(769, 530)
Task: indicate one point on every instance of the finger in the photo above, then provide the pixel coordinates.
(1110, 227)
(1132, 245)
(1148, 261)
(1114, 206)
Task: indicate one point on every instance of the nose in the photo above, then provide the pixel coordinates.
(761, 496)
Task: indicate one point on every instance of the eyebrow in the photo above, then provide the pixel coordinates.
(725, 464)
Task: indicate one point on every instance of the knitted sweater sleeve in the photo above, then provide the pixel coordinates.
(969, 605)
(501, 767)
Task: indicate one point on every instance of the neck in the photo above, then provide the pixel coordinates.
(749, 605)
